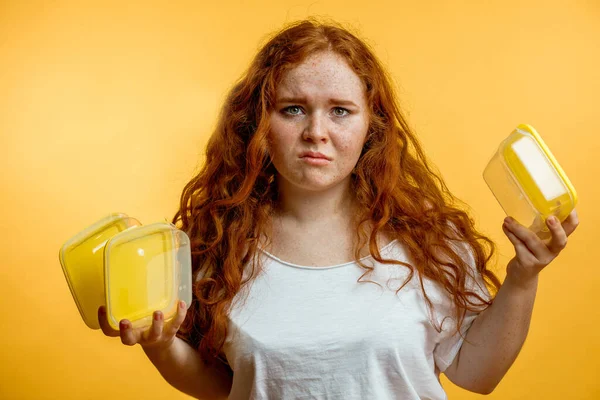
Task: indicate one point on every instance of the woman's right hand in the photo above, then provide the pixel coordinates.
(158, 336)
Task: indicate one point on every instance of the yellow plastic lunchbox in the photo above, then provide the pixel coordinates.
(82, 261)
(147, 269)
(527, 180)
(131, 269)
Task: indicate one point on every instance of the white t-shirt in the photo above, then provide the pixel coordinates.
(316, 333)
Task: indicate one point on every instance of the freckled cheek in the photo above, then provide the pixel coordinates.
(284, 154)
(349, 148)
(344, 145)
(280, 144)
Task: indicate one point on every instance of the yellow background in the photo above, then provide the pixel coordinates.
(106, 107)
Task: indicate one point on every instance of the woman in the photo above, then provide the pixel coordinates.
(330, 261)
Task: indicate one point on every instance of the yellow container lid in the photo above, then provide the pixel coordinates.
(147, 269)
(537, 172)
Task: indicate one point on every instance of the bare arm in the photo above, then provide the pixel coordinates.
(178, 362)
(182, 366)
(496, 336)
(494, 339)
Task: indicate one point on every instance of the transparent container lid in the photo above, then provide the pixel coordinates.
(527, 180)
(147, 269)
(82, 261)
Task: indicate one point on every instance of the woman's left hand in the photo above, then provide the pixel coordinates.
(533, 253)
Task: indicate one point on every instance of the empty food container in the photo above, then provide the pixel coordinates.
(147, 268)
(527, 180)
(82, 261)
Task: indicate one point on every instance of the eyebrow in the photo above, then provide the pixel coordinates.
(303, 100)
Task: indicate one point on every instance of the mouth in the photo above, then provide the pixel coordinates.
(315, 160)
(314, 155)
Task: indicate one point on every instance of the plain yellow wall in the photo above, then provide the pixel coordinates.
(106, 106)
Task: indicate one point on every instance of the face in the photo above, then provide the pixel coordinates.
(319, 123)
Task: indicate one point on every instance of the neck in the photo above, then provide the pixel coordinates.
(307, 207)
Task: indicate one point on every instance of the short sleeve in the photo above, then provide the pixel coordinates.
(449, 340)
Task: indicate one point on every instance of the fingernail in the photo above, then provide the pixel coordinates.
(157, 316)
(553, 220)
(102, 311)
(124, 325)
(182, 304)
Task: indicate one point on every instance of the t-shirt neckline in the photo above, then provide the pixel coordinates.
(384, 248)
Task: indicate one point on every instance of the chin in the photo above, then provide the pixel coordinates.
(318, 185)
(314, 183)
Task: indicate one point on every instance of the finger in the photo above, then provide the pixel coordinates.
(521, 249)
(128, 336)
(178, 320)
(559, 236)
(571, 222)
(535, 245)
(156, 329)
(104, 325)
(544, 234)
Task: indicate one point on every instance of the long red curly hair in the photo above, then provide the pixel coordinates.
(226, 207)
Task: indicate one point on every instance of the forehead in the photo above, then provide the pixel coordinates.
(322, 74)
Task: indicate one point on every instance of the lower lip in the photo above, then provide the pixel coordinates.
(315, 161)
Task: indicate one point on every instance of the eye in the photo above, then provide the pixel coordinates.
(292, 110)
(340, 112)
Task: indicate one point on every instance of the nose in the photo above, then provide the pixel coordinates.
(316, 129)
